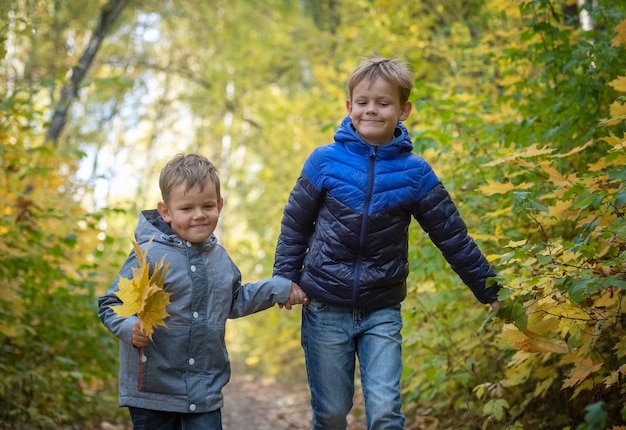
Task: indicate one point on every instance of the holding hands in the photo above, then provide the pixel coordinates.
(297, 296)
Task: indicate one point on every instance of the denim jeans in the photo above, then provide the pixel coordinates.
(146, 419)
(332, 338)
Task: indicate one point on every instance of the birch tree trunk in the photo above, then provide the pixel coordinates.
(586, 21)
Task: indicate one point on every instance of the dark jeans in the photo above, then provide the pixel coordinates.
(146, 419)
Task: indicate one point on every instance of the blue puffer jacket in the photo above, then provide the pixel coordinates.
(344, 233)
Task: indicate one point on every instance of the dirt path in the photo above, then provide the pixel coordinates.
(251, 403)
(258, 405)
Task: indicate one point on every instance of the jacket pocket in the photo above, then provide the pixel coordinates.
(163, 362)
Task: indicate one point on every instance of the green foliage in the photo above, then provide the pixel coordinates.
(595, 418)
(560, 171)
(55, 357)
(544, 142)
(448, 346)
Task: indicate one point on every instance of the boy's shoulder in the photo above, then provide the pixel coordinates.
(338, 150)
(328, 148)
(329, 151)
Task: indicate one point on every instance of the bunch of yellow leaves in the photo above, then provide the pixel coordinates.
(143, 294)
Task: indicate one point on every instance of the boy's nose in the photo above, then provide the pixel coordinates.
(198, 213)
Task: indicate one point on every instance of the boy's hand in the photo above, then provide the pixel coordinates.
(297, 296)
(495, 306)
(139, 339)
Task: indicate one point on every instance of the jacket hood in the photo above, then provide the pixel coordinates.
(347, 135)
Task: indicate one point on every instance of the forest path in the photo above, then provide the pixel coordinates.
(254, 404)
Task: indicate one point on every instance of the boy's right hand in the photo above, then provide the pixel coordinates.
(139, 339)
(297, 296)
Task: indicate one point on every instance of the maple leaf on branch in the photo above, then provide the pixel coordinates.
(143, 294)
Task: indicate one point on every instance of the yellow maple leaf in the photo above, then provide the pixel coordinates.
(516, 157)
(540, 337)
(555, 176)
(620, 29)
(615, 377)
(494, 187)
(619, 84)
(575, 150)
(130, 297)
(154, 311)
(618, 110)
(582, 369)
(143, 294)
(558, 212)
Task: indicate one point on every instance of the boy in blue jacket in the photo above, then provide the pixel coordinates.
(175, 380)
(344, 240)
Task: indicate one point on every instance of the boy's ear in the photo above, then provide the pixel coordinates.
(406, 110)
(220, 205)
(164, 212)
(349, 106)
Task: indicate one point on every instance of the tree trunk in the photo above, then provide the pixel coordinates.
(586, 21)
(110, 12)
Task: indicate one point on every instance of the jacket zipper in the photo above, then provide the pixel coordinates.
(364, 222)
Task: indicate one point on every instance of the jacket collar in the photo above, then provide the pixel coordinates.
(347, 135)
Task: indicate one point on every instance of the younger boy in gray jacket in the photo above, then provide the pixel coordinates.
(175, 379)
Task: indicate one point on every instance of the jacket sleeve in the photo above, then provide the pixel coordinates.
(257, 296)
(121, 327)
(297, 227)
(440, 219)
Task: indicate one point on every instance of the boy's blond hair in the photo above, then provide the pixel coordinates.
(189, 169)
(392, 70)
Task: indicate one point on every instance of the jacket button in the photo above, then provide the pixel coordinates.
(193, 268)
(188, 244)
(195, 315)
(144, 358)
(192, 407)
(191, 361)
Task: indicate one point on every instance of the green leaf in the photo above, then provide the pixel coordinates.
(595, 417)
(496, 408)
(513, 312)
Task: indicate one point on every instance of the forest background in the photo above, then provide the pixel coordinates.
(518, 105)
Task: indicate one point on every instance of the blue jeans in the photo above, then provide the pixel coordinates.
(332, 338)
(146, 419)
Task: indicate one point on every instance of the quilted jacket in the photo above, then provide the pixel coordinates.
(344, 232)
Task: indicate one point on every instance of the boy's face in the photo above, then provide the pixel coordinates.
(193, 215)
(375, 110)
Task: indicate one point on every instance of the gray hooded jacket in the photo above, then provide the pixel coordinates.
(186, 365)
